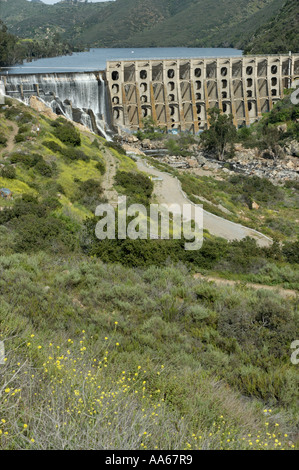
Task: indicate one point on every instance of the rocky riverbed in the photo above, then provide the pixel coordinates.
(280, 166)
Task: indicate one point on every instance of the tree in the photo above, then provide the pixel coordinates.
(220, 135)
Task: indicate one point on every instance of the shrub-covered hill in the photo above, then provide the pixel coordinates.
(279, 35)
(14, 50)
(106, 357)
(118, 346)
(142, 23)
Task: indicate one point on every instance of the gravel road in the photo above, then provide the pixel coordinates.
(169, 191)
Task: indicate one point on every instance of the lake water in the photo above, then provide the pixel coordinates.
(95, 59)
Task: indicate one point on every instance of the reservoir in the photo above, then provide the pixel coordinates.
(95, 59)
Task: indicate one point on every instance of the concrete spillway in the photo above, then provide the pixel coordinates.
(81, 97)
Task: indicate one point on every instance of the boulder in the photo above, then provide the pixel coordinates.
(146, 144)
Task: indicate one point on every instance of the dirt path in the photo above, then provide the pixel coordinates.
(108, 178)
(169, 191)
(228, 282)
(11, 139)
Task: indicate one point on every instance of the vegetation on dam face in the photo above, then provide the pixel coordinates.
(116, 344)
(267, 26)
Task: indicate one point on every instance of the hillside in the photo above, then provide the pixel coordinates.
(115, 344)
(14, 50)
(204, 24)
(281, 34)
(41, 21)
(144, 23)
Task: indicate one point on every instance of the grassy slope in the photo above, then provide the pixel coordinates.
(119, 358)
(141, 361)
(66, 173)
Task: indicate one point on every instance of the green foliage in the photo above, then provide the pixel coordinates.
(3, 140)
(35, 161)
(135, 185)
(101, 167)
(89, 194)
(268, 134)
(67, 133)
(52, 145)
(221, 134)
(115, 146)
(44, 169)
(279, 35)
(69, 152)
(291, 252)
(150, 130)
(7, 45)
(181, 145)
(255, 189)
(14, 50)
(20, 138)
(27, 160)
(36, 229)
(8, 172)
(197, 348)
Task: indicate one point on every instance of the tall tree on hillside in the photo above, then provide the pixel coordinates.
(221, 135)
(7, 46)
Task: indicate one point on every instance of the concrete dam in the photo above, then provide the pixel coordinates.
(177, 94)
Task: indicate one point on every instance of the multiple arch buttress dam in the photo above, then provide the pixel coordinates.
(178, 93)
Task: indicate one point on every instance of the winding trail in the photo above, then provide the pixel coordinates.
(108, 178)
(169, 191)
(11, 139)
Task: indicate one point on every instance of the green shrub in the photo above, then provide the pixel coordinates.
(8, 172)
(35, 234)
(74, 154)
(135, 185)
(89, 194)
(101, 167)
(44, 169)
(3, 140)
(23, 129)
(115, 146)
(290, 251)
(20, 138)
(52, 145)
(67, 133)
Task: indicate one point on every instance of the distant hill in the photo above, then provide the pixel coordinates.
(40, 21)
(280, 34)
(254, 25)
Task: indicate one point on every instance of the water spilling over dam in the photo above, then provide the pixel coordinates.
(81, 97)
